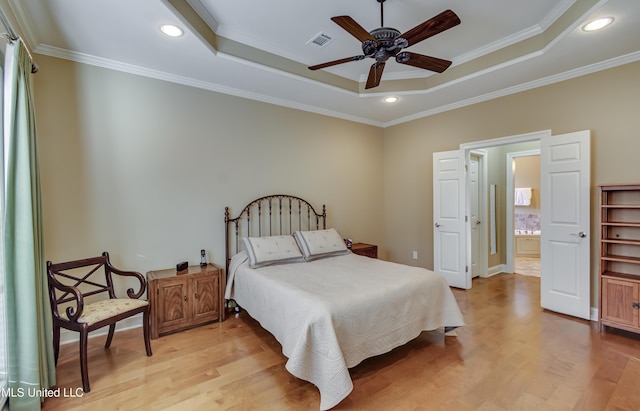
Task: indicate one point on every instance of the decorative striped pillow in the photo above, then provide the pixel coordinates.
(320, 243)
(272, 250)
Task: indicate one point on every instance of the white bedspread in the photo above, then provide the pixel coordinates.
(331, 314)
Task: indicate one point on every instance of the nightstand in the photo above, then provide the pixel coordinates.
(368, 250)
(185, 299)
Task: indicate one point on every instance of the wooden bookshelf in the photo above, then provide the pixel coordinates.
(619, 275)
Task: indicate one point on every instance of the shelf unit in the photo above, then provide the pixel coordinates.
(620, 256)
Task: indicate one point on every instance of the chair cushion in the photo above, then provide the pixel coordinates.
(104, 309)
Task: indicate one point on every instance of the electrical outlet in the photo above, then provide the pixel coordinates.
(415, 255)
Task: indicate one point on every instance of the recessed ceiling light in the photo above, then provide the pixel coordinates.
(597, 24)
(171, 30)
(390, 99)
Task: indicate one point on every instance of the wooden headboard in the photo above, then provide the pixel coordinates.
(277, 214)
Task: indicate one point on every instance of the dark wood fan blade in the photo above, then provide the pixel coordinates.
(431, 27)
(424, 62)
(353, 28)
(375, 74)
(336, 62)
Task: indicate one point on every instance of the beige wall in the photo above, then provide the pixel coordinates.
(144, 168)
(606, 103)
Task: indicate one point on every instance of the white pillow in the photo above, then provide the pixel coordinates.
(320, 243)
(272, 250)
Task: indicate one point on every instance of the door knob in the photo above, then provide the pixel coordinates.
(582, 234)
(437, 225)
(478, 222)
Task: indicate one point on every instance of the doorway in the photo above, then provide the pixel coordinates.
(564, 188)
(527, 227)
(451, 209)
(526, 214)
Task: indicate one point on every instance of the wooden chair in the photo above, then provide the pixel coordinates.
(71, 282)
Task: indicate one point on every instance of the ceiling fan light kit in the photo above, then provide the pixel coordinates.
(386, 42)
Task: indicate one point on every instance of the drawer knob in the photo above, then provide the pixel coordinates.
(635, 305)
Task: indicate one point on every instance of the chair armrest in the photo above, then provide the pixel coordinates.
(72, 314)
(130, 292)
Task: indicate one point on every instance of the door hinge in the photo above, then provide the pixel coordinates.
(466, 268)
(466, 168)
(466, 218)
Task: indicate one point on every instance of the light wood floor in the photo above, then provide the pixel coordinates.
(512, 355)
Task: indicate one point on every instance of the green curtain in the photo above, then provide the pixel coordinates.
(30, 350)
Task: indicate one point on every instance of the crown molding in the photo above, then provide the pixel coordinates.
(557, 12)
(204, 14)
(187, 81)
(159, 75)
(567, 75)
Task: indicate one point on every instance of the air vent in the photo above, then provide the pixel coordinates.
(320, 40)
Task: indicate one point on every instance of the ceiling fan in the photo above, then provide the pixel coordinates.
(385, 42)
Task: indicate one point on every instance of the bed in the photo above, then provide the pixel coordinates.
(329, 308)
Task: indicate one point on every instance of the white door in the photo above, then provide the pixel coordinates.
(449, 237)
(565, 276)
(474, 213)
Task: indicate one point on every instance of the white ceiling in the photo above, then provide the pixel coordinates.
(259, 50)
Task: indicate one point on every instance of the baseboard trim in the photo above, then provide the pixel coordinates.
(67, 336)
(496, 269)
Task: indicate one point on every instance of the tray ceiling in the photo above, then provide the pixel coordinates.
(260, 50)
